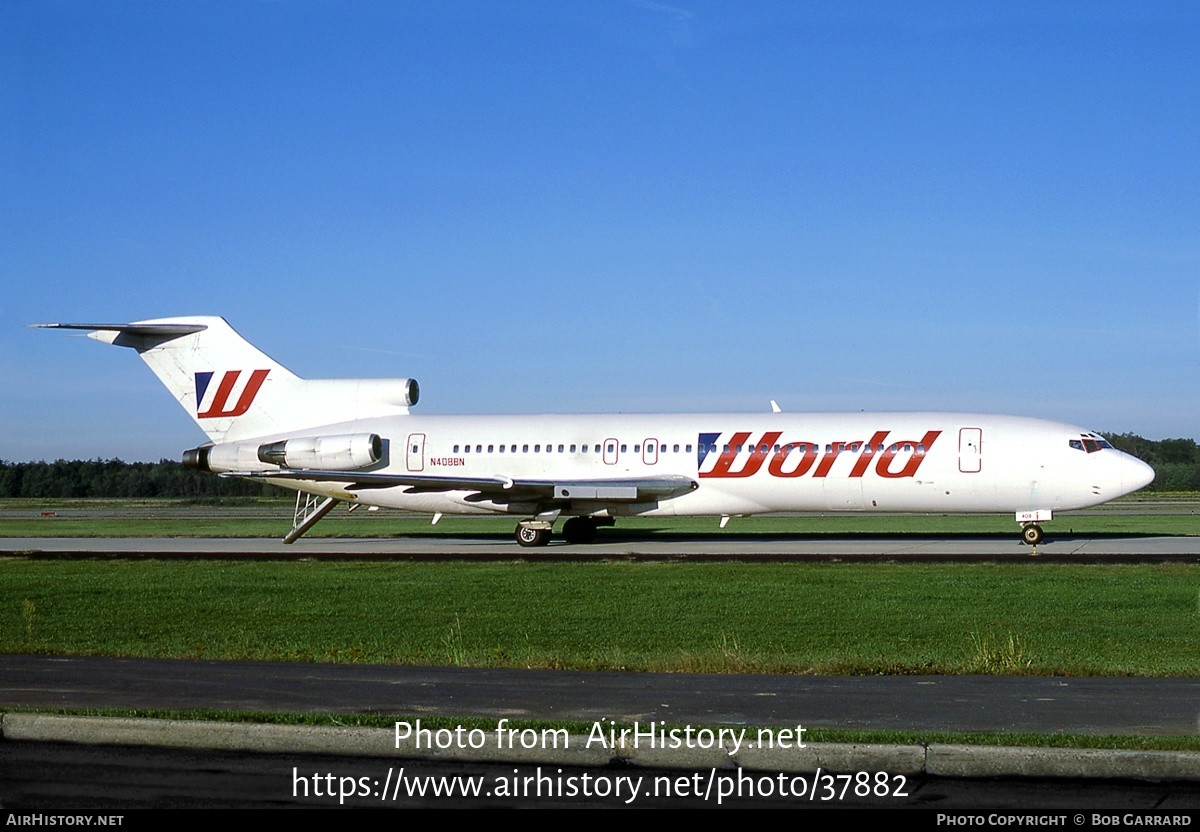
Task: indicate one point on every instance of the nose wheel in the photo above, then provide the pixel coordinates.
(1032, 534)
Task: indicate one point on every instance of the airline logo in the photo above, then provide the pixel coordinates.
(216, 403)
(741, 454)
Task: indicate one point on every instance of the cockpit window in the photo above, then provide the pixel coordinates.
(1090, 443)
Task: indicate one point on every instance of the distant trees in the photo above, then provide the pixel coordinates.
(113, 478)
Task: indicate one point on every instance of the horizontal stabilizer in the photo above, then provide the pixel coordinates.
(139, 336)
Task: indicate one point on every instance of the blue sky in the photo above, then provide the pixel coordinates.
(606, 206)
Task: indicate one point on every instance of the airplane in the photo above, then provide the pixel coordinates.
(355, 441)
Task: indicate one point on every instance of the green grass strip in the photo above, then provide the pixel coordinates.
(828, 618)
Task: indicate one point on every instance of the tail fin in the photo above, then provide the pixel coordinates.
(235, 391)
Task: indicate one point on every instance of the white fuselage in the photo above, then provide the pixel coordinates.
(753, 463)
(356, 440)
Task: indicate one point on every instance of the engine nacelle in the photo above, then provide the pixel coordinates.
(324, 453)
(314, 453)
(228, 456)
(365, 396)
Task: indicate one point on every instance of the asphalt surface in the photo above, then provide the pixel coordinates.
(1010, 704)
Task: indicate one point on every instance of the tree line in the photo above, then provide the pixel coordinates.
(1176, 464)
(114, 479)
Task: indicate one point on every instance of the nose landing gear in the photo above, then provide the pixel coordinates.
(1031, 532)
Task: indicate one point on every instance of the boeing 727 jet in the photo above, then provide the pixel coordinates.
(355, 441)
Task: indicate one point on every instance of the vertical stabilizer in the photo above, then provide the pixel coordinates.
(222, 380)
(235, 391)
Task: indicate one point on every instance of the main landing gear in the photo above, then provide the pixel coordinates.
(579, 530)
(533, 534)
(575, 530)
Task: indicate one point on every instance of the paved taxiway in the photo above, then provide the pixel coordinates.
(1037, 704)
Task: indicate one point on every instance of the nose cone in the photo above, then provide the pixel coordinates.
(1135, 474)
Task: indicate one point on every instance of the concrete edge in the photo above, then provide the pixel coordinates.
(557, 748)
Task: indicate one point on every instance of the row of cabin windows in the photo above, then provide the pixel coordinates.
(562, 449)
(802, 447)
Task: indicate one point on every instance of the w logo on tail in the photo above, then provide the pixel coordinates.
(219, 406)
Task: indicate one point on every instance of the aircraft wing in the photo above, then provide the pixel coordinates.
(640, 489)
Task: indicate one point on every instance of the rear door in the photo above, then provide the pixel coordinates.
(415, 452)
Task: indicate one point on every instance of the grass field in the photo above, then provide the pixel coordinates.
(893, 618)
(1040, 618)
(882, 618)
